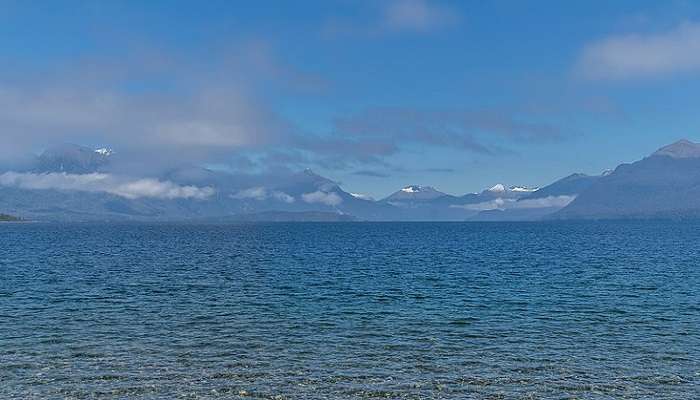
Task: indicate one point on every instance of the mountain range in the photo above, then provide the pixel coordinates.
(665, 184)
(75, 183)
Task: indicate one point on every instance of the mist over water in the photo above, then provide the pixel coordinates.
(595, 310)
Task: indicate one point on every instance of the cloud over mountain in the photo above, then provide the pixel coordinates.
(206, 124)
(511, 204)
(326, 198)
(97, 182)
(261, 193)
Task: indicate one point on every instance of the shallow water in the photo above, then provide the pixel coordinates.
(600, 310)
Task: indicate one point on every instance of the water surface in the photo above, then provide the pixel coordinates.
(600, 310)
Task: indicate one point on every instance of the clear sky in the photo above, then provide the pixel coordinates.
(459, 95)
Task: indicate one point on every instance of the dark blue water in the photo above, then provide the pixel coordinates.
(348, 311)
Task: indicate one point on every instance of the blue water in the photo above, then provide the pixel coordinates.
(351, 311)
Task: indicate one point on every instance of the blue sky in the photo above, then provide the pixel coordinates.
(375, 94)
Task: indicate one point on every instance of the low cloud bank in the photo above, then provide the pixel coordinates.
(129, 188)
(507, 204)
(261, 193)
(362, 196)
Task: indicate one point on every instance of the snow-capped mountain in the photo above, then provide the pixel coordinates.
(413, 193)
(71, 182)
(427, 203)
(190, 191)
(497, 191)
(104, 151)
(501, 190)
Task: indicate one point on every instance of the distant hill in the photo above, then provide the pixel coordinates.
(665, 184)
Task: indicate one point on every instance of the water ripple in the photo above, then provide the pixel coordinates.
(604, 310)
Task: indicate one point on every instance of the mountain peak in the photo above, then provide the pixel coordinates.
(415, 193)
(500, 190)
(523, 189)
(104, 151)
(681, 149)
(417, 189)
(307, 181)
(499, 187)
(308, 173)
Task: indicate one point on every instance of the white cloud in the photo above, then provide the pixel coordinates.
(508, 204)
(496, 204)
(199, 111)
(255, 193)
(125, 187)
(643, 55)
(329, 199)
(261, 193)
(546, 202)
(282, 196)
(202, 133)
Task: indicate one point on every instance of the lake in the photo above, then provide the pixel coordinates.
(588, 310)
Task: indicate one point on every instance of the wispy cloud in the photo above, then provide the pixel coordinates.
(215, 113)
(546, 202)
(635, 55)
(362, 196)
(107, 183)
(189, 111)
(507, 204)
(465, 129)
(256, 193)
(261, 193)
(416, 16)
(223, 122)
(327, 198)
(396, 17)
(282, 196)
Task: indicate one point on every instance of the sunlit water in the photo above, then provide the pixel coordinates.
(356, 310)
